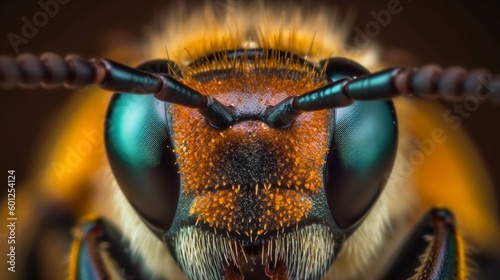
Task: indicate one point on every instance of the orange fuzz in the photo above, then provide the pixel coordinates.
(236, 176)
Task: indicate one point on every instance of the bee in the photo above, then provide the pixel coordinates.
(245, 146)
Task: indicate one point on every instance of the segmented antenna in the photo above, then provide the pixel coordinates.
(454, 84)
(51, 71)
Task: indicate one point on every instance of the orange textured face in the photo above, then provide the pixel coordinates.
(250, 179)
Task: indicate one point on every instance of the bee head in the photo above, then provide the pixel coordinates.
(226, 187)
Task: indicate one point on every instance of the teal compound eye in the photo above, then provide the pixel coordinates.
(362, 151)
(140, 151)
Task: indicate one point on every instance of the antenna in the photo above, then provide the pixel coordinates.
(51, 71)
(431, 82)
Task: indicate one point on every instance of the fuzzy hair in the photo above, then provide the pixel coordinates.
(314, 33)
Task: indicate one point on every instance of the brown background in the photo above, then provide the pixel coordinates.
(447, 32)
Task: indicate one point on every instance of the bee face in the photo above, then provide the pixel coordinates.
(252, 187)
(251, 183)
(244, 178)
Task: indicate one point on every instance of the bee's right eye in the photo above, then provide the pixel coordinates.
(140, 152)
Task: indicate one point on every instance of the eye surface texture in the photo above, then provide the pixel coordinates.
(140, 153)
(361, 153)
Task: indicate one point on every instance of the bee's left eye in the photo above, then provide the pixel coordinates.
(362, 151)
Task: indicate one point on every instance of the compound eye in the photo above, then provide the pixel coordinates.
(139, 149)
(362, 151)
